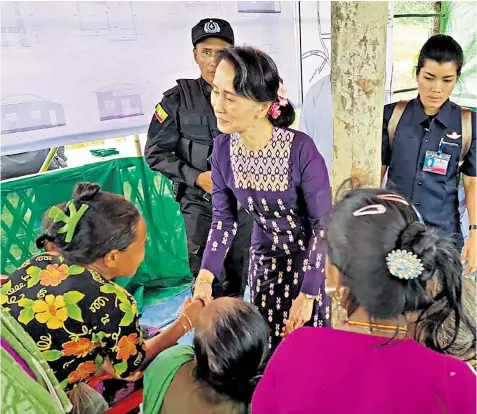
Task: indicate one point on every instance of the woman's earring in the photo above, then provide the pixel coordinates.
(338, 312)
(337, 295)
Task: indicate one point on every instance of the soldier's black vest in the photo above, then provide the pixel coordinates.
(197, 124)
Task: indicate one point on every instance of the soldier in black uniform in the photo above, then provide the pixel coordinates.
(179, 145)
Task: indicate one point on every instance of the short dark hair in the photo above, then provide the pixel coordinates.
(257, 78)
(358, 247)
(108, 224)
(232, 352)
(441, 48)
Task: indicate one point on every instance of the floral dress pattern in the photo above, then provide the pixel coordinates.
(76, 318)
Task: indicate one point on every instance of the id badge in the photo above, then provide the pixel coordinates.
(436, 163)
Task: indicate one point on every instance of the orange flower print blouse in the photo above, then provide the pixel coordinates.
(76, 318)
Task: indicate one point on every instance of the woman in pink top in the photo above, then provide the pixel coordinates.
(381, 259)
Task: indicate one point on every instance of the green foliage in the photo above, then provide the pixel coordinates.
(413, 7)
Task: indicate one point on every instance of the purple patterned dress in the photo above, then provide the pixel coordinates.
(285, 187)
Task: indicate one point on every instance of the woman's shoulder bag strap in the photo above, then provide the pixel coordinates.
(394, 120)
(466, 115)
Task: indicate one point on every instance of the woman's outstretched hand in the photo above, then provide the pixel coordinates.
(300, 313)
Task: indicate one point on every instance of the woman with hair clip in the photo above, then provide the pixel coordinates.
(66, 299)
(218, 375)
(382, 263)
(278, 176)
(429, 141)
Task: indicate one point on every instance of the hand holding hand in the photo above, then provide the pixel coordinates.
(203, 286)
(190, 311)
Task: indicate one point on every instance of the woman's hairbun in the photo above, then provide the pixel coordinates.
(85, 191)
(42, 240)
(286, 118)
(422, 241)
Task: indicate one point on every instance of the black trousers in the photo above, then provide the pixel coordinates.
(197, 214)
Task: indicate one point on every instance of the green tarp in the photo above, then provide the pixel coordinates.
(165, 271)
(459, 20)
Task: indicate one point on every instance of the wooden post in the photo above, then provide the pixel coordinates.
(358, 73)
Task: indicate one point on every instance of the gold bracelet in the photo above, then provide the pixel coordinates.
(188, 319)
(200, 282)
(185, 328)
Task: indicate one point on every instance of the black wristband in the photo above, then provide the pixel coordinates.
(473, 227)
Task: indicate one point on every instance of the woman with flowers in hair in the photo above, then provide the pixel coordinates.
(278, 176)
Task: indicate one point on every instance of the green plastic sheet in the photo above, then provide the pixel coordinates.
(20, 393)
(104, 152)
(459, 21)
(165, 270)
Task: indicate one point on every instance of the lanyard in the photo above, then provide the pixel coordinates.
(442, 146)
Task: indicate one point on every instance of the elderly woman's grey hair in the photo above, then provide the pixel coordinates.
(465, 343)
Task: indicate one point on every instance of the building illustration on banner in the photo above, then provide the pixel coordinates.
(119, 100)
(115, 20)
(316, 55)
(201, 8)
(12, 26)
(89, 89)
(320, 57)
(27, 112)
(258, 6)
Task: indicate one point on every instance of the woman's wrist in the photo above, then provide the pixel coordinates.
(181, 326)
(308, 296)
(201, 282)
(185, 321)
(205, 276)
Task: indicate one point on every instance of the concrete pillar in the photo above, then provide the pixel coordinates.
(358, 73)
(435, 21)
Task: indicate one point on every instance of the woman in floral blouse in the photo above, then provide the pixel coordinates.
(68, 303)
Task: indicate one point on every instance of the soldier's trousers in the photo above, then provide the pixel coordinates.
(197, 214)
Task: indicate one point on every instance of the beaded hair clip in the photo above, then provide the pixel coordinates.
(401, 263)
(404, 264)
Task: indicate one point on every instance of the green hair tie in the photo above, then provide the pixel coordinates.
(70, 221)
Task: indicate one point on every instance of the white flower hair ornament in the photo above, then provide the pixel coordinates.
(282, 94)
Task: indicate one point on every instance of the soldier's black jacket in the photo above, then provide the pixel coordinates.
(181, 133)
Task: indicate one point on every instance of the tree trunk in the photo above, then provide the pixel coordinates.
(358, 73)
